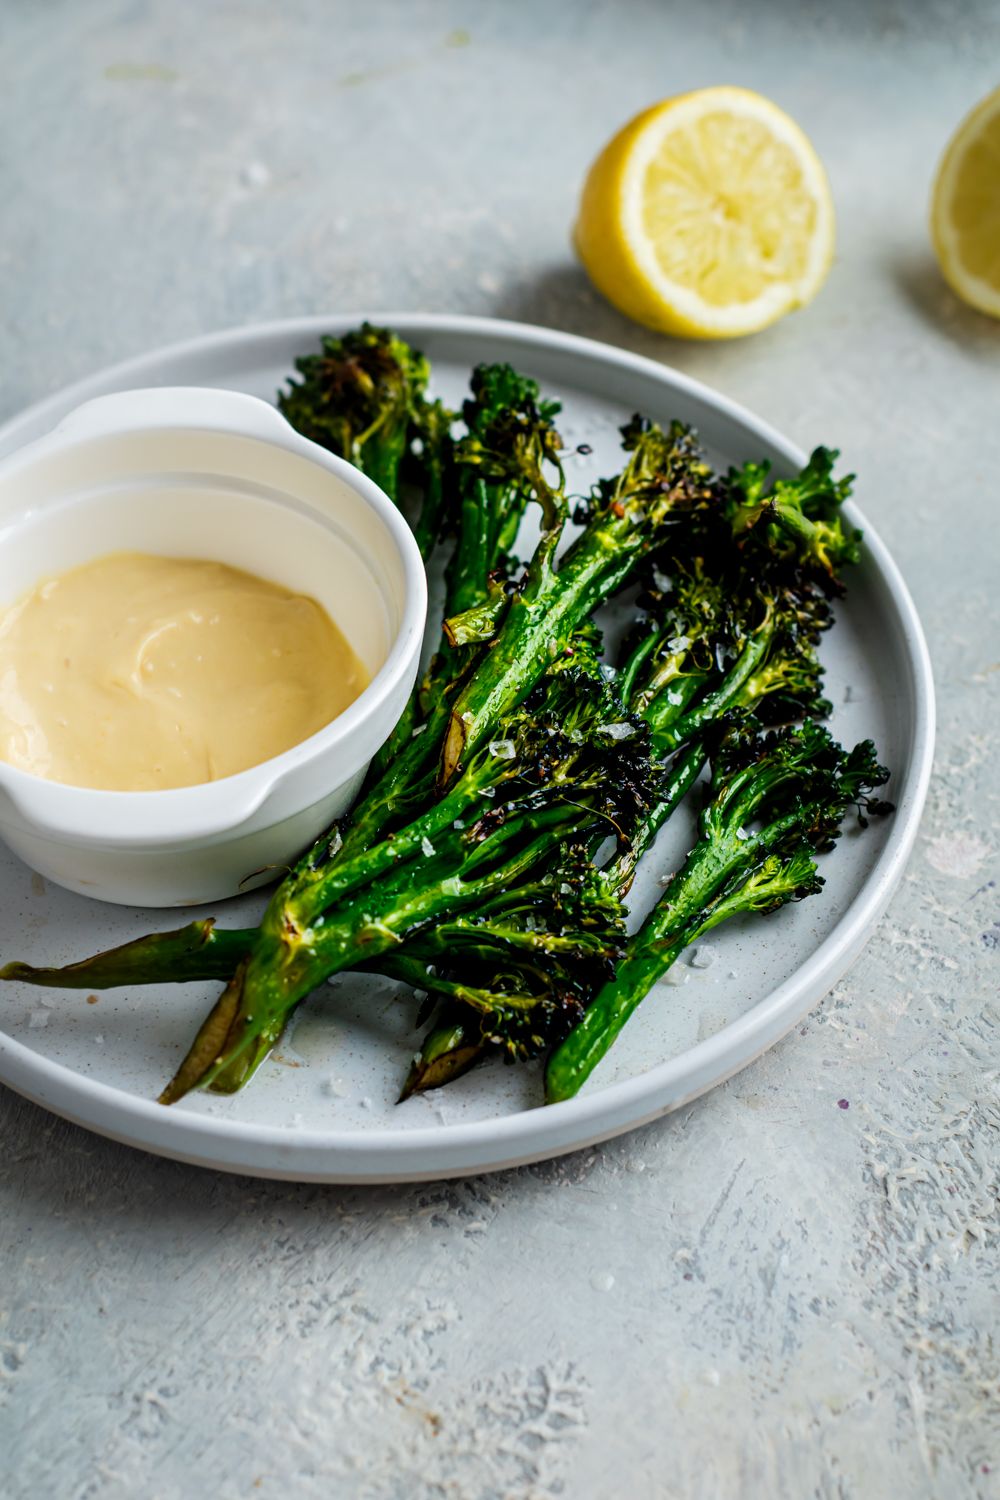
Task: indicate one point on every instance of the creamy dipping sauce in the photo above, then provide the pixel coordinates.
(137, 673)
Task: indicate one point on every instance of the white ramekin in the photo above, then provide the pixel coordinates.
(213, 474)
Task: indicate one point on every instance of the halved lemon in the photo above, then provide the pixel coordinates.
(965, 208)
(708, 215)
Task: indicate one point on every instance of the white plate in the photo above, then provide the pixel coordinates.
(323, 1109)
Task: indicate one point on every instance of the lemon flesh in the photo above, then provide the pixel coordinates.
(965, 208)
(708, 215)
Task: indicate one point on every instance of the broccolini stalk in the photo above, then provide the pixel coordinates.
(494, 471)
(509, 456)
(774, 802)
(430, 466)
(664, 479)
(562, 780)
(199, 950)
(477, 489)
(736, 624)
(690, 681)
(452, 1046)
(467, 1036)
(361, 397)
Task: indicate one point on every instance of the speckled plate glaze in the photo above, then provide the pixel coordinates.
(323, 1109)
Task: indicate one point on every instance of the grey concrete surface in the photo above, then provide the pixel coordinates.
(767, 1295)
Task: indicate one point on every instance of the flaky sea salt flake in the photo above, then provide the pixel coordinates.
(676, 975)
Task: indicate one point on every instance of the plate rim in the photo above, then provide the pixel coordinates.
(442, 1150)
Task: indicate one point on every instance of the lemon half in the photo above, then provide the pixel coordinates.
(965, 208)
(708, 215)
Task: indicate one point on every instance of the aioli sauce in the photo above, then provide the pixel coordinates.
(138, 673)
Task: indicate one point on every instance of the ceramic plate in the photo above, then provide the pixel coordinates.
(323, 1108)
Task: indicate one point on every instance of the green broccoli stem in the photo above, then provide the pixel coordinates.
(407, 778)
(425, 532)
(451, 1047)
(434, 475)
(406, 784)
(572, 1062)
(201, 951)
(400, 736)
(667, 696)
(470, 564)
(719, 879)
(683, 914)
(431, 1067)
(289, 959)
(501, 939)
(435, 478)
(672, 726)
(661, 709)
(538, 625)
(410, 969)
(478, 624)
(542, 617)
(380, 453)
(316, 888)
(198, 951)
(506, 524)
(684, 772)
(673, 730)
(316, 880)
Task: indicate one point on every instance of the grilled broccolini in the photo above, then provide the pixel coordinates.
(475, 865)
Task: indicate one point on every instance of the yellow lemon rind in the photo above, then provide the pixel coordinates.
(971, 289)
(614, 248)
